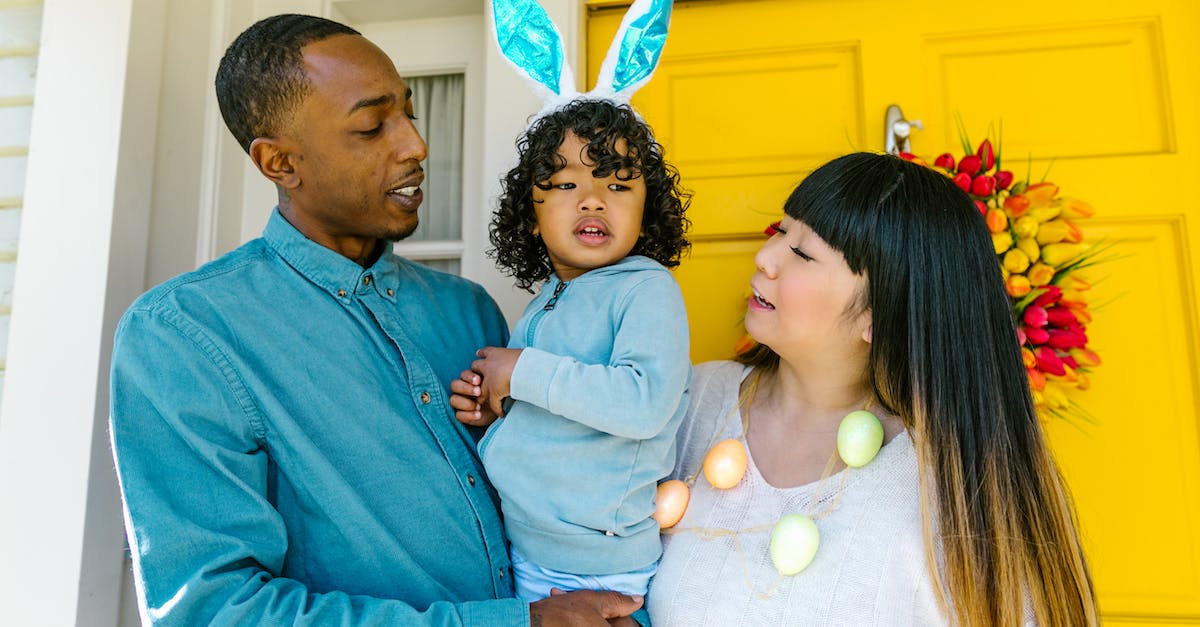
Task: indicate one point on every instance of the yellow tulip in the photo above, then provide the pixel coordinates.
(1058, 254)
(1002, 241)
(1055, 396)
(1083, 381)
(1047, 213)
(1040, 274)
(1016, 261)
(1053, 232)
(1085, 357)
(1025, 226)
(1030, 248)
(1078, 283)
(1075, 208)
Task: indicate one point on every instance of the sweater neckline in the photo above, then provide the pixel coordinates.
(885, 458)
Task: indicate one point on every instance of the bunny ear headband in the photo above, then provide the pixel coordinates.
(531, 43)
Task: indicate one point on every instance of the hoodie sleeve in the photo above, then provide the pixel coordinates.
(637, 392)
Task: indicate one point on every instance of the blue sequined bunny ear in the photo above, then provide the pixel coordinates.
(635, 50)
(533, 45)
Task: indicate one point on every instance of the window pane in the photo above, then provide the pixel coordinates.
(438, 104)
(453, 266)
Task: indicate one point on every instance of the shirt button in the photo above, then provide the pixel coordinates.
(367, 280)
(425, 398)
(390, 292)
(502, 573)
(610, 533)
(341, 293)
(471, 479)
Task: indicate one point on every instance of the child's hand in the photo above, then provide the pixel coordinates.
(470, 408)
(496, 366)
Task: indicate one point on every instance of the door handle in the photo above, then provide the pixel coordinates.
(898, 130)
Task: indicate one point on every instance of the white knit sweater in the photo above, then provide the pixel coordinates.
(869, 569)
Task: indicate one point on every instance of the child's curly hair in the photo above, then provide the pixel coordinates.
(601, 124)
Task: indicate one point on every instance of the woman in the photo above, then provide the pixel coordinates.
(880, 290)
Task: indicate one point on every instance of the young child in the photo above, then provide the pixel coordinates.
(597, 368)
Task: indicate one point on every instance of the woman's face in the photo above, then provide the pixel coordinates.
(805, 298)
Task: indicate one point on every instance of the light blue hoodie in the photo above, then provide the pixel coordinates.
(599, 392)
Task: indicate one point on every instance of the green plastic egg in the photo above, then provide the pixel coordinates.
(794, 543)
(859, 438)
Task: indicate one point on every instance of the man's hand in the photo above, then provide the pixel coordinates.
(495, 365)
(470, 406)
(582, 608)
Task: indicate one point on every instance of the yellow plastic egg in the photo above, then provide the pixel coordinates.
(859, 438)
(725, 464)
(671, 502)
(794, 542)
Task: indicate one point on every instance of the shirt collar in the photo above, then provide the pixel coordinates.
(336, 274)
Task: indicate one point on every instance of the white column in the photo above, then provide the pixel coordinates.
(83, 251)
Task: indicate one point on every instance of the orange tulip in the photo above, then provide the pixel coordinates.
(996, 220)
(1017, 285)
(1037, 380)
(1027, 358)
(1083, 382)
(1040, 194)
(1016, 205)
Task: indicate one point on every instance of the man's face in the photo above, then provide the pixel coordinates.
(357, 155)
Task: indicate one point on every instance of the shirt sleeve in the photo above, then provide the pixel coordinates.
(207, 544)
(637, 392)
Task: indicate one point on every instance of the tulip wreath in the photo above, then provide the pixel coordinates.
(1041, 253)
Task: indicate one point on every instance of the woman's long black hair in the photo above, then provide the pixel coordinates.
(945, 358)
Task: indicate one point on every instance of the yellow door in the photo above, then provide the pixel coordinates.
(753, 94)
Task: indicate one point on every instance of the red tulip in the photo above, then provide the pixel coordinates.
(986, 154)
(1021, 338)
(907, 156)
(945, 160)
(1049, 361)
(771, 229)
(1035, 316)
(1061, 317)
(1004, 178)
(983, 185)
(1067, 339)
(970, 164)
(1037, 335)
(1070, 362)
(1052, 295)
(963, 181)
(981, 207)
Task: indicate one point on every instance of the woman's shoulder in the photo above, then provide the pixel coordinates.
(721, 372)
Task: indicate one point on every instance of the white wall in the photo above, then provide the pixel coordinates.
(20, 26)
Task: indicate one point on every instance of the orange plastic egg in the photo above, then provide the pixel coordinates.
(725, 464)
(671, 502)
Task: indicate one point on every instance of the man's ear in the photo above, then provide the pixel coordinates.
(272, 157)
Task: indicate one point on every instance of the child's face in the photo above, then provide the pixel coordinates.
(587, 222)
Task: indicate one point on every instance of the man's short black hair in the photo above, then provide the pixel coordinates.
(261, 78)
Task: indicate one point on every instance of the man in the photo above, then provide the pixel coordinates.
(279, 417)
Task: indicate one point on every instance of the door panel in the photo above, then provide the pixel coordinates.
(752, 94)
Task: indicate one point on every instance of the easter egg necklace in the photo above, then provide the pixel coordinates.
(795, 537)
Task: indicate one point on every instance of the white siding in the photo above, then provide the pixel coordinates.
(20, 26)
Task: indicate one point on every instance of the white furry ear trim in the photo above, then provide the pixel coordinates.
(635, 50)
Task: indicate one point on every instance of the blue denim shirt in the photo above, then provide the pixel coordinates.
(286, 451)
